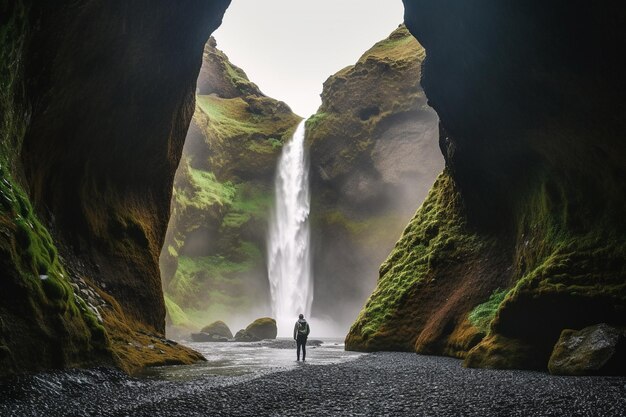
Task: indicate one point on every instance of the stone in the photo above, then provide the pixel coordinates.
(243, 336)
(263, 328)
(218, 328)
(594, 350)
(206, 337)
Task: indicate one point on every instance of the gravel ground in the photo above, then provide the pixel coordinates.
(380, 384)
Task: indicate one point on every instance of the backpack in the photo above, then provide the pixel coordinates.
(302, 328)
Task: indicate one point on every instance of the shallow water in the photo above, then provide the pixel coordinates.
(252, 359)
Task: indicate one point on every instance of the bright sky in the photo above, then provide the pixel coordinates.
(290, 47)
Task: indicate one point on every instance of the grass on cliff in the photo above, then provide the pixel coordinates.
(233, 118)
(399, 46)
(483, 314)
(201, 280)
(206, 191)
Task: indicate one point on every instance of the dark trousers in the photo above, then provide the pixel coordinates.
(301, 343)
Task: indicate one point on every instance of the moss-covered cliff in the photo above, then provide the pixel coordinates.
(523, 234)
(213, 259)
(95, 100)
(374, 155)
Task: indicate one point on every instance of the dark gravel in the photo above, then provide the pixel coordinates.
(381, 384)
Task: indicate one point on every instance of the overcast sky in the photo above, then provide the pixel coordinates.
(289, 47)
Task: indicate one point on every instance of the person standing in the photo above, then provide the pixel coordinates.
(300, 333)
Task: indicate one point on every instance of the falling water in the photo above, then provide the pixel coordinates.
(289, 260)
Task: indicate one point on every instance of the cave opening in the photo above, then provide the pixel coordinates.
(353, 73)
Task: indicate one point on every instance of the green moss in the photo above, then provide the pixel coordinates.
(400, 46)
(176, 314)
(434, 236)
(436, 239)
(313, 122)
(232, 118)
(482, 315)
(206, 191)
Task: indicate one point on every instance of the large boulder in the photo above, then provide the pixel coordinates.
(260, 329)
(594, 350)
(218, 328)
(263, 328)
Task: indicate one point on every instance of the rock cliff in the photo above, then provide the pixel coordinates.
(374, 155)
(95, 103)
(522, 235)
(213, 261)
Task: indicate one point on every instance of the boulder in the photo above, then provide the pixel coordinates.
(594, 350)
(243, 336)
(218, 328)
(260, 329)
(263, 328)
(206, 337)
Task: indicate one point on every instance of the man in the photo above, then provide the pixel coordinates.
(300, 333)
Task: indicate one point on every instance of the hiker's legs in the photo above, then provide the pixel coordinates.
(303, 349)
(298, 344)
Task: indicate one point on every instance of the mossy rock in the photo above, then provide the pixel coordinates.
(263, 328)
(594, 350)
(218, 328)
(243, 336)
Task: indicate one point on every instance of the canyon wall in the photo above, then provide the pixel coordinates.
(374, 156)
(522, 235)
(96, 100)
(213, 261)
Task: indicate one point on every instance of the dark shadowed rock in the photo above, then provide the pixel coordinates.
(218, 328)
(594, 350)
(243, 336)
(206, 337)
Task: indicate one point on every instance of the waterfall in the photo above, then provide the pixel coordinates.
(289, 259)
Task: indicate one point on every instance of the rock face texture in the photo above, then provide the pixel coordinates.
(594, 350)
(213, 262)
(373, 157)
(96, 100)
(523, 235)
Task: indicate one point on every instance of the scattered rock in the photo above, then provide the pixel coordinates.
(594, 350)
(218, 328)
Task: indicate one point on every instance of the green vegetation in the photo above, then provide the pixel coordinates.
(569, 265)
(177, 315)
(37, 295)
(400, 46)
(482, 315)
(436, 235)
(231, 118)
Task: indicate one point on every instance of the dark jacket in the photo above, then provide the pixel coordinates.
(297, 326)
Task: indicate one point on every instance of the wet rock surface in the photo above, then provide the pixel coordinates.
(380, 384)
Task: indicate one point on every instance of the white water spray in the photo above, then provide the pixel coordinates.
(289, 259)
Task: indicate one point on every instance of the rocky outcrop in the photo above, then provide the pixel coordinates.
(212, 261)
(594, 350)
(373, 155)
(95, 101)
(526, 223)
